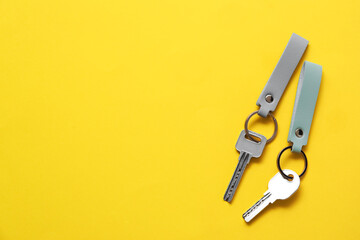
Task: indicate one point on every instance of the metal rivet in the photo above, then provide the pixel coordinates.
(269, 98)
(299, 132)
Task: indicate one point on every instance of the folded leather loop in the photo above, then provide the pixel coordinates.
(281, 75)
(305, 101)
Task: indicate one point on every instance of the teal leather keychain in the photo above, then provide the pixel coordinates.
(305, 101)
(303, 112)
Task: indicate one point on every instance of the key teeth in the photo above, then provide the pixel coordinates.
(244, 159)
(227, 198)
(266, 196)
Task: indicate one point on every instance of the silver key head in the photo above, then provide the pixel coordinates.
(282, 188)
(249, 146)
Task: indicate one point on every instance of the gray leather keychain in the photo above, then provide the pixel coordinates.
(268, 100)
(279, 79)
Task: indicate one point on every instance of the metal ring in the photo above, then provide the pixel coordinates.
(281, 171)
(247, 130)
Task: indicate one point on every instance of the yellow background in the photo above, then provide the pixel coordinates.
(119, 119)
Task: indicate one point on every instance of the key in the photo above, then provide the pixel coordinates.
(278, 188)
(248, 149)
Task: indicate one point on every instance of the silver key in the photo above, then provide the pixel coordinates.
(248, 149)
(278, 188)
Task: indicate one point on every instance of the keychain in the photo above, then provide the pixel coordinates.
(286, 182)
(268, 100)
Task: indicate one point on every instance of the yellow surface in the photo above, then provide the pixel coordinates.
(119, 119)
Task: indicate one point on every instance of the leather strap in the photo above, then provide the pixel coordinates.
(274, 88)
(305, 101)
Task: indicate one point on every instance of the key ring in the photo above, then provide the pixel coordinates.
(247, 130)
(281, 171)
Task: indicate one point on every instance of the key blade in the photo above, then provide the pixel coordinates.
(258, 207)
(247, 149)
(244, 159)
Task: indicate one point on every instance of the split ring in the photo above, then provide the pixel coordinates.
(247, 130)
(281, 171)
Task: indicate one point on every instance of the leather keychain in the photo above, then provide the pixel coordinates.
(286, 182)
(303, 112)
(268, 100)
